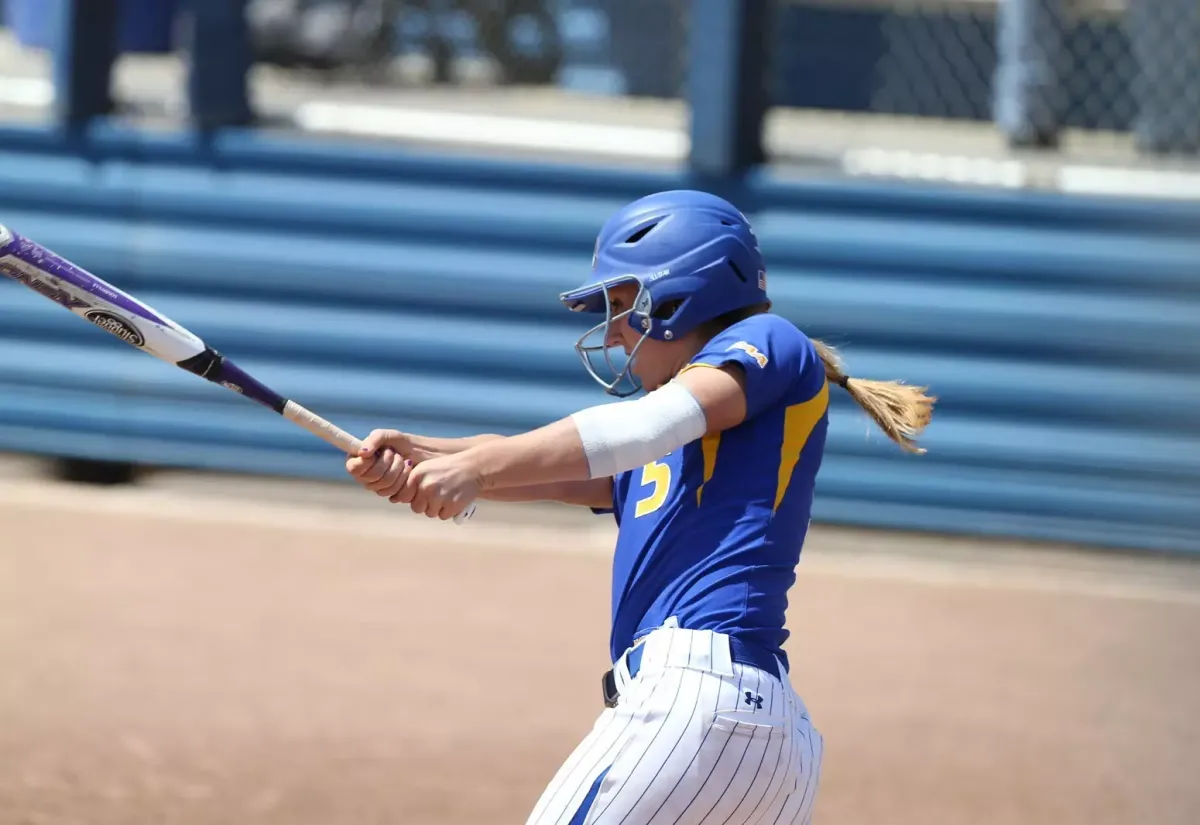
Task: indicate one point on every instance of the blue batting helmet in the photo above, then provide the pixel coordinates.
(693, 257)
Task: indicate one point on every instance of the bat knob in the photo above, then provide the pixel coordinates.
(465, 515)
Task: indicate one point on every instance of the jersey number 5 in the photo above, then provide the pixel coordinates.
(659, 476)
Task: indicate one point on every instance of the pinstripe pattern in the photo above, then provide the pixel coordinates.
(685, 747)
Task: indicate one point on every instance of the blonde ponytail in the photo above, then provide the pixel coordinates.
(901, 411)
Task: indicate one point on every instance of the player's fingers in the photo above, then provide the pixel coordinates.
(420, 502)
(378, 468)
(402, 496)
(392, 483)
(360, 467)
(376, 441)
(391, 468)
(426, 490)
(408, 490)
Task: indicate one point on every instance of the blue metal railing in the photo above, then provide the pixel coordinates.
(392, 289)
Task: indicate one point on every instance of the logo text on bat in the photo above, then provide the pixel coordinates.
(119, 327)
(54, 293)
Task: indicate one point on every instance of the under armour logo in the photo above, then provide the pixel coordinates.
(754, 699)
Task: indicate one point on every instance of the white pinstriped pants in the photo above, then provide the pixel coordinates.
(696, 739)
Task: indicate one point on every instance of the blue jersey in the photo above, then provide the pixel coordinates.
(711, 534)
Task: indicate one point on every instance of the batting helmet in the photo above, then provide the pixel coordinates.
(693, 257)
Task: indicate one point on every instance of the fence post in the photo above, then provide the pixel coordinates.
(727, 92)
(1030, 46)
(221, 58)
(1165, 39)
(84, 37)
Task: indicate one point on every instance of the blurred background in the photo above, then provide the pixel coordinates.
(373, 205)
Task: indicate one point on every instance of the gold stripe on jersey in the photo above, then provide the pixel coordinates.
(709, 446)
(798, 423)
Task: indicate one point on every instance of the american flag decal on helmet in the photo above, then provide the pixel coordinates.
(762, 280)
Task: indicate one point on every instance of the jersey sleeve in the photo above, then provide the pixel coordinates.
(774, 355)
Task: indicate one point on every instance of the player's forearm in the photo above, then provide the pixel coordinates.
(421, 447)
(550, 454)
(596, 492)
(527, 492)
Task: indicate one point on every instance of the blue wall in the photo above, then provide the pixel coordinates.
(387, 289)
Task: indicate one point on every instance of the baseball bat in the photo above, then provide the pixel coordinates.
(145, 328)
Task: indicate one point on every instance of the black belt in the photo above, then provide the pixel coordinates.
(739, 651)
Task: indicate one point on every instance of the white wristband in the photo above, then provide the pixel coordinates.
(626, 435)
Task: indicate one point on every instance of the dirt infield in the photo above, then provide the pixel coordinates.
(182, 658)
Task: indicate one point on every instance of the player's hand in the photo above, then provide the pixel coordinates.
(383, 472)
(394, 440)
(440, 487)
(416, 448)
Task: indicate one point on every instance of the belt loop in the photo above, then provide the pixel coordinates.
(656, 649)
(722, 655)
(621, 673)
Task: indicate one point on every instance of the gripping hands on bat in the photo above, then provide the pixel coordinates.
(426, 474)
(144, 328)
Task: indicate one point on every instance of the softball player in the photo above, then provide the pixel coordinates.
(710, 477)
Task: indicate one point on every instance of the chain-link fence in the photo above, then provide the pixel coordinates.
(1034, 67)
(1029, 70)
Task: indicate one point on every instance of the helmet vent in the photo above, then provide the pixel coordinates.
(737, 271)
(727, 223)
(664, 312)
(641, 233)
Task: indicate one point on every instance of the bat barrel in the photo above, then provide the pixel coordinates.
(94, 299)
(144, 328)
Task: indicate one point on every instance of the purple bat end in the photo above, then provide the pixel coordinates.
(34, 262)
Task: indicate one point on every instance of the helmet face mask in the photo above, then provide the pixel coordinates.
(593, 346)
